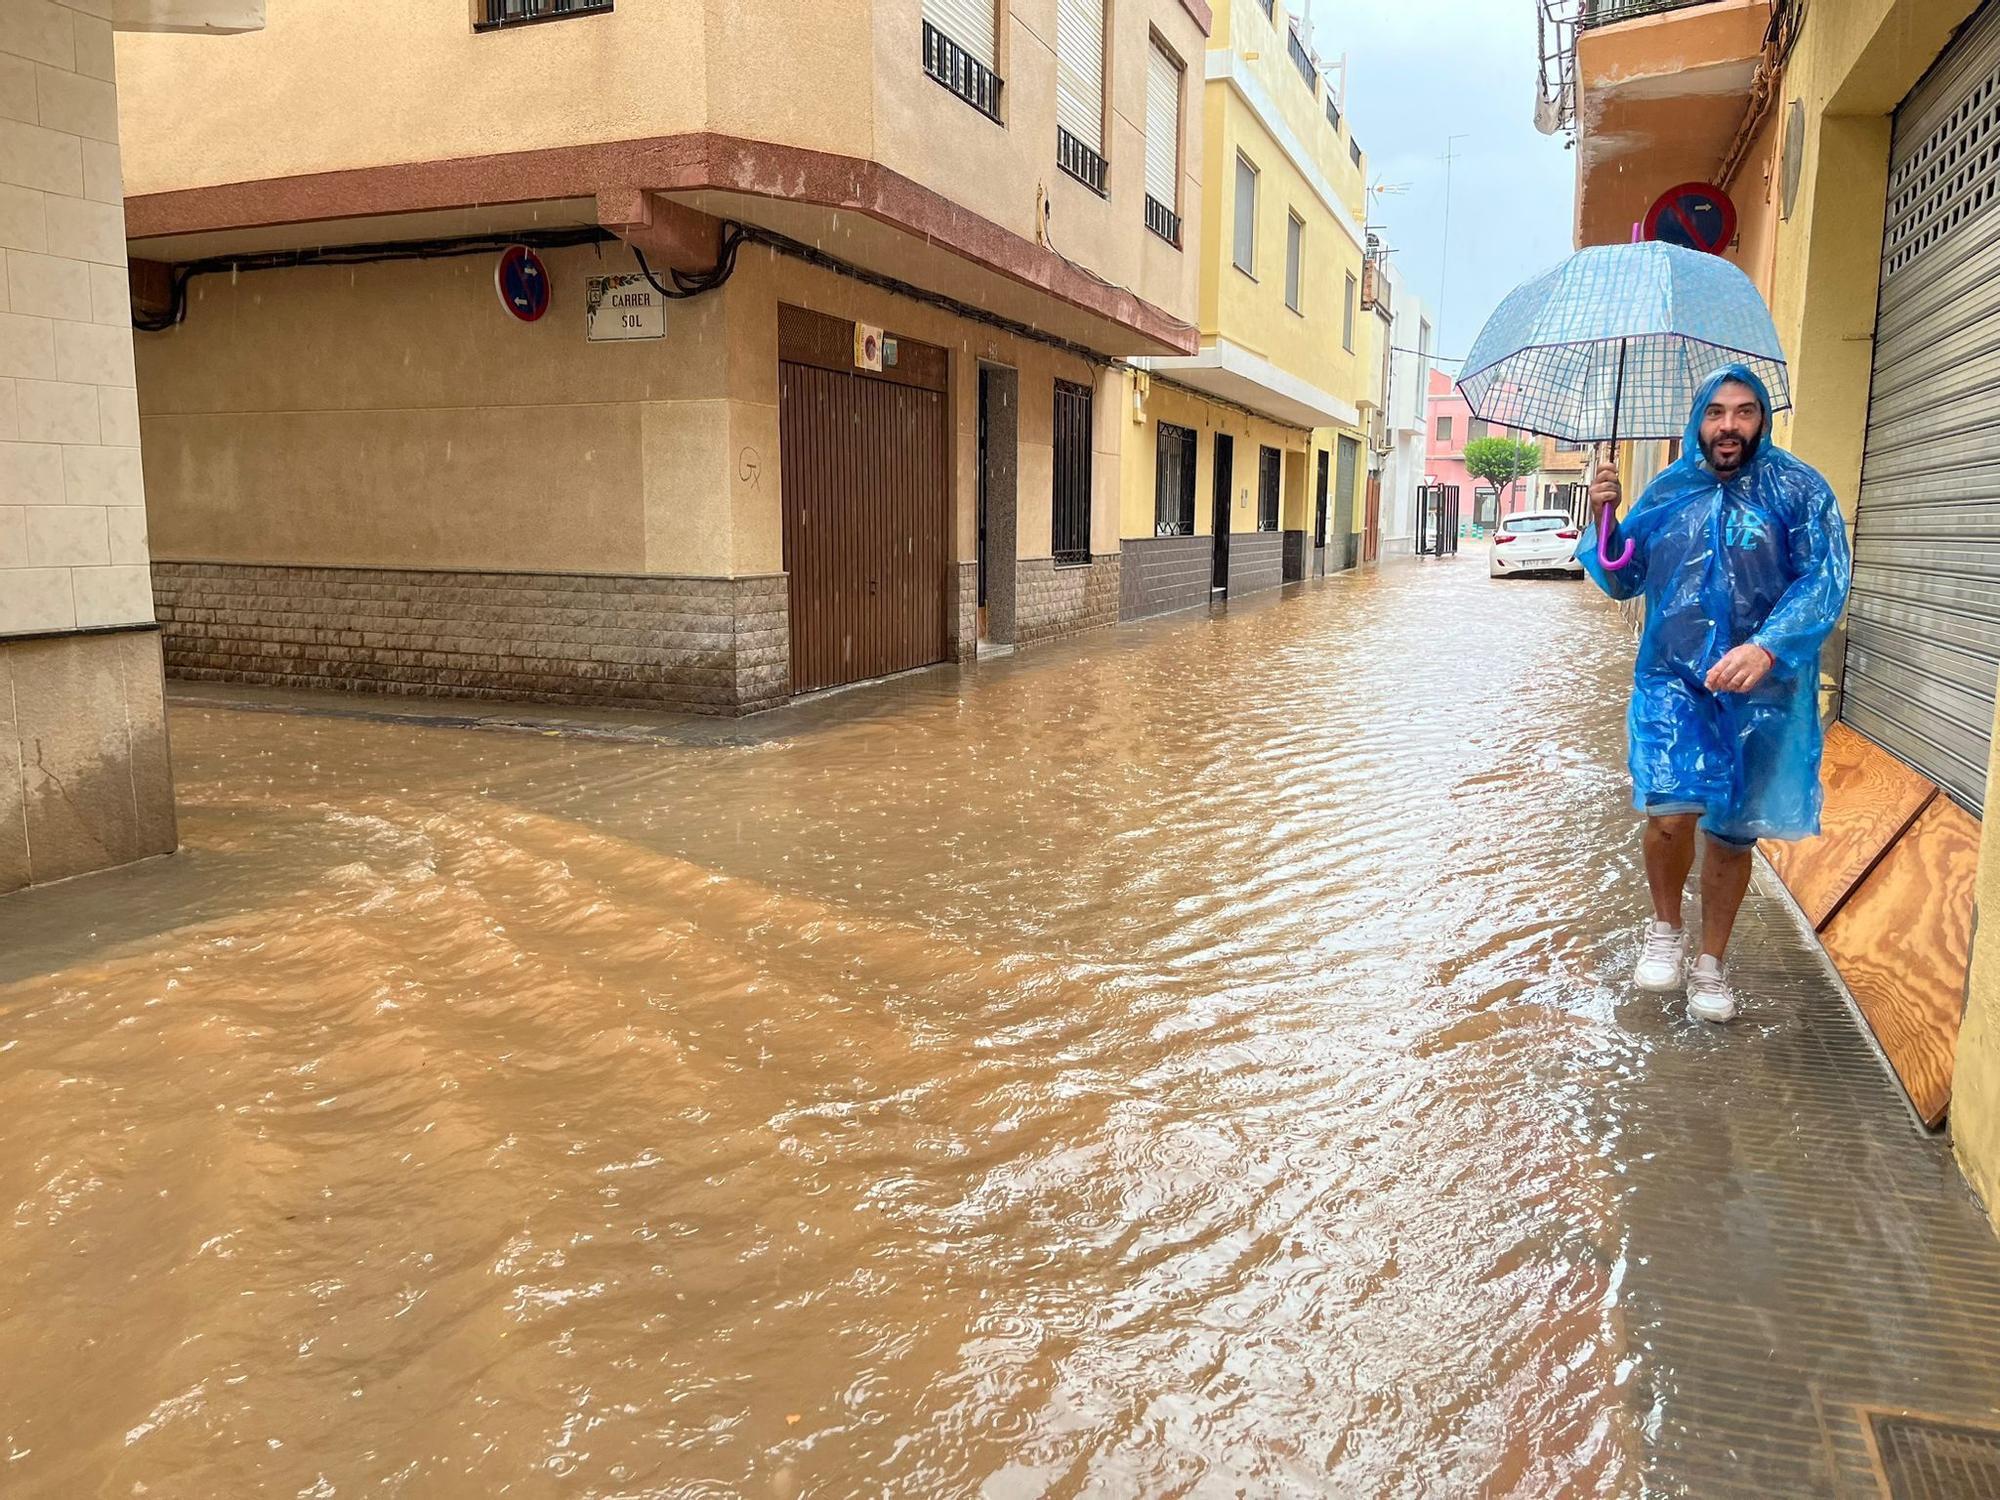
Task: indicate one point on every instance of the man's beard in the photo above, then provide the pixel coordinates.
(1744, 454)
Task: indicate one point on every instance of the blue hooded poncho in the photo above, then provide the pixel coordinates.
(1762, 558)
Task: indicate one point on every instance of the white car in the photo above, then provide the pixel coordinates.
(1535, 541)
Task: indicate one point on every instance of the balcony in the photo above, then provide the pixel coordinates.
(1661, 88)
(1610, 12)
(1302, 60)
(494, 14)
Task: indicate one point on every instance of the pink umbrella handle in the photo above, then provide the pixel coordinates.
(1604, 556)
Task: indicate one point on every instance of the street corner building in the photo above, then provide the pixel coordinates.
(1856, 142)
(859, 408)
(84, 776)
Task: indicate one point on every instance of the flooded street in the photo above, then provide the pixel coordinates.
(1196, 1060)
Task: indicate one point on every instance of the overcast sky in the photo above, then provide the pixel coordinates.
(1423, 70)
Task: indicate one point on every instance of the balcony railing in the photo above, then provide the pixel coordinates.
(961, 72)
(1301, 59)
(1332, 109)
(1163, 221)
(1611, 12)
(493, 14)
(1082, 163)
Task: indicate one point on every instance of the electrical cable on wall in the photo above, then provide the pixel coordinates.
(355, 255)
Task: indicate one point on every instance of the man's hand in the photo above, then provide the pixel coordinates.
(1740, 671)
(1606, 490)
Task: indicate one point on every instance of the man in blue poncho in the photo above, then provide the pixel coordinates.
(1741, 554)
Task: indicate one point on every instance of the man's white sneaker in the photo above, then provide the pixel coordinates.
(1709, 995)
(1660, 960)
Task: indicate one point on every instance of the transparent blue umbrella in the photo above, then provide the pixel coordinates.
(1612, 345)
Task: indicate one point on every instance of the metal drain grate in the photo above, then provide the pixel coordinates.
(1926, 1460)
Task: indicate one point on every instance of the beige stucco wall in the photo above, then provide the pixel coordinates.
(845, 79)
(393, 416)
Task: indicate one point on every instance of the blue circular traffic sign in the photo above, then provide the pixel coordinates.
(1695, 216)
(523, 283)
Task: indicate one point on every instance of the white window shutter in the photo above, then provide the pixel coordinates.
(970, 23)
(1080, 70)
(1163, 129)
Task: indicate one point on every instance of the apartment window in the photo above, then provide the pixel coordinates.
(1246, 216)
(1163, 144)
(1295, 232)
(1444, 430)
(961, 51)
(493, 14)
(1173, 482)
(1354, 150)
(1347, 315)
(1423, 338)
(1080, 91)
(1270, 14)
(1070, 528)
(1270, 470)
(1302, 59)
(1474, 429)
(1332, 110)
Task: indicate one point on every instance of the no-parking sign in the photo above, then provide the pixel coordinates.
(522, 282)
(1695, 216)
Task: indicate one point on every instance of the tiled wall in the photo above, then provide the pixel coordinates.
(72, 504)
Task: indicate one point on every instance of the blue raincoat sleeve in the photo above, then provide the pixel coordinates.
(1761, 557)
(1822, 568)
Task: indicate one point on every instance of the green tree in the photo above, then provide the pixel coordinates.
(1502, 462)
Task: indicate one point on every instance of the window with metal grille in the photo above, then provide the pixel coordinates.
(1332, 109)
(1354, 150)
(961, 51)
(494, 14)
(1080, 91)
(1301, 59)
(1347, 314)
(1070, 501)
(1295, 232)
(1173, 482)
(1163, 144)
(1246, 216)
(1270, 469)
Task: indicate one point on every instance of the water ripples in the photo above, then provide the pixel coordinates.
(1169, 1064)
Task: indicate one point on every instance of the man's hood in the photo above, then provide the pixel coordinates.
(1742, 375)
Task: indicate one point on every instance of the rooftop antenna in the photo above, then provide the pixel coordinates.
(1444, 259)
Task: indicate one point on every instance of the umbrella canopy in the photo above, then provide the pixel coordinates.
(1614, 343)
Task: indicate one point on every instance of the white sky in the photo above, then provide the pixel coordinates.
(1423, 70)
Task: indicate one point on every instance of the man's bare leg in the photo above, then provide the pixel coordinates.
(1669, 857)
(1725, 876)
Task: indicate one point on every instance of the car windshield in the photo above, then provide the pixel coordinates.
(1520, 524)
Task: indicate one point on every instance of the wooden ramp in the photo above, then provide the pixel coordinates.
(1889, 885)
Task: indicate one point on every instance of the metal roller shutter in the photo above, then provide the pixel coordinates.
(1080, 70)
(1923, 645)
(970, 24)
(1163, 128)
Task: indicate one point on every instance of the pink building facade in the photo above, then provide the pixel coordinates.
(1450, 426)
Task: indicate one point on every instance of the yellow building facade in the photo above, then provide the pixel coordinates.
(1246, 461)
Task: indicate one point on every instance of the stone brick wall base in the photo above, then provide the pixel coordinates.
(1051, 601)
(1164, 573)
(1256, 561)
(699, 645)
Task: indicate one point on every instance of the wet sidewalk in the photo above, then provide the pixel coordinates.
(1196, 1060)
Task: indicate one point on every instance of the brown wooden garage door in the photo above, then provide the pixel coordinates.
(867, 497)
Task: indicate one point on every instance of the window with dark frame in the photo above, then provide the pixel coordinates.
(961, 51)
(1070, 501)
(1173, 482)
(1270, 473)
(495, 14)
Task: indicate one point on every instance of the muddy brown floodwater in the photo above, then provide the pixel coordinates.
(1171, 1064)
